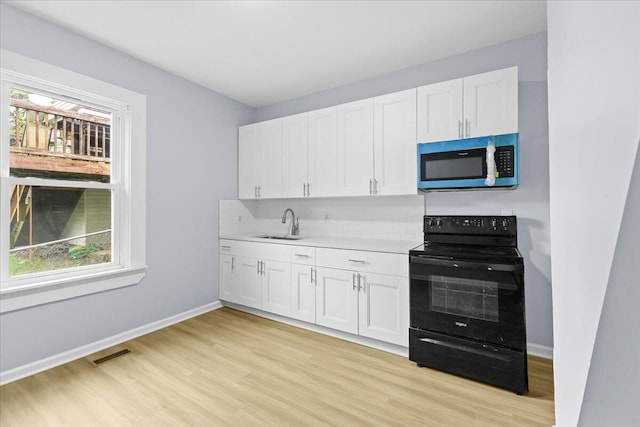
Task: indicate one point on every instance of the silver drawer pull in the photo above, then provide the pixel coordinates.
(357, 260)
(302, 255)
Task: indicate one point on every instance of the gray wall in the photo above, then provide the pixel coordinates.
(594, 132)
(530, 201)
(191, 163)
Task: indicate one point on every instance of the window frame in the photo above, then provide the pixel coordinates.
(128, 183)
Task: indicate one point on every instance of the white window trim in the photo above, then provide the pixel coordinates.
(21, 292)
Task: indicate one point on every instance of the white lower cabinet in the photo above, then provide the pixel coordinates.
(303, 296)
(383, 305)
(256, 275)
(370, 305)
(276, 287)
(248, 281)
(337, 300)
(359, 292)
(364, 293)
(303, 283)
(227, 278)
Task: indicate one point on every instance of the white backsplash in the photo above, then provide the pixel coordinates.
(383, 217)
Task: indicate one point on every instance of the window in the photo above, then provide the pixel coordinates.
(72, 180)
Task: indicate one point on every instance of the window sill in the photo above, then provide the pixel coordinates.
(41, 293)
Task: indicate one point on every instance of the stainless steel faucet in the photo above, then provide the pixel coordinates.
(295, 226)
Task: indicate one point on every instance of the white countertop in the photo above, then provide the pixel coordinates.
(374, 245)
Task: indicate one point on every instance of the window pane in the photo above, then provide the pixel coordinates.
(54, 138)
(55, 227)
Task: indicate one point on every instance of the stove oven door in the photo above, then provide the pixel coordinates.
(473, 300)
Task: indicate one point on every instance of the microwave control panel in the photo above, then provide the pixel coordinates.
(504, 161)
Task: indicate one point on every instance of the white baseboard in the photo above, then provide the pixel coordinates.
(540, 351)
(79, 352)
(532, 349)
(369, 342)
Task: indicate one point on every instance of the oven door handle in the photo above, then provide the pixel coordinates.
(452, 263)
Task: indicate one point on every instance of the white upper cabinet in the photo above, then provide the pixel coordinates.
(323, 153)
(271, 133)
(294, 141)
(250, 162)
(368, 147)
(440, 111)
(394, 143)
(260, 163)
(479, 105)
(491, 103)
(355, 148)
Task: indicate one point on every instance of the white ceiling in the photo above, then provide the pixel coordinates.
(264, 52)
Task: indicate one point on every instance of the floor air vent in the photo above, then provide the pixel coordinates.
(108, 357)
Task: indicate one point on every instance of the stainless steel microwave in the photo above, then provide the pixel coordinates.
(474, 163)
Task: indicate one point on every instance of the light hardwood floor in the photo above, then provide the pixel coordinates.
(231, 368)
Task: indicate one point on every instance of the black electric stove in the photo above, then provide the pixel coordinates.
(467, 311)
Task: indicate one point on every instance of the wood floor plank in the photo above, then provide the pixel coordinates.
(231, 368)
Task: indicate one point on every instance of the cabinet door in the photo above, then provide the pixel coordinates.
(491, 103)
(355, 148)
(294, 141)
(303, 296)
(276, 287)
(250, 161)
(440, 111)
(395, 143)
(384, 308)
(323, 153)
(271, 141)
(248, 282)
(337, 300)
(227, 285)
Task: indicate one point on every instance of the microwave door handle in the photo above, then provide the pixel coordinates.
(491, 165)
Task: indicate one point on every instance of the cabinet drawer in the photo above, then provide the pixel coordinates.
(372, 262)
(305, 255)
(228, 246)
(267, 251)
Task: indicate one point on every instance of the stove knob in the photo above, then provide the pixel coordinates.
(438, 222)
(494, 223)
(430, 223)
(505, 223)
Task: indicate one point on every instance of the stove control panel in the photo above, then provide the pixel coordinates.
(487, 225)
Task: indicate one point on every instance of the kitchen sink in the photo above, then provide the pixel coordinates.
(279, 237)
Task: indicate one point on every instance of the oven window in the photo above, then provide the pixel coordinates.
(477, 299)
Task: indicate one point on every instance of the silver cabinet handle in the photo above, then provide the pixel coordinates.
(358, 260)
(460, 135)
(262, 267)
(364, 282)
(375, 186)
(258, 267)
(302, 255)
(353, 282)
(259, 191)
(308, 189)
(370, 186)
(312, 275)
(468, 126)
(304, 189)
(225, 247)
(233, 262)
